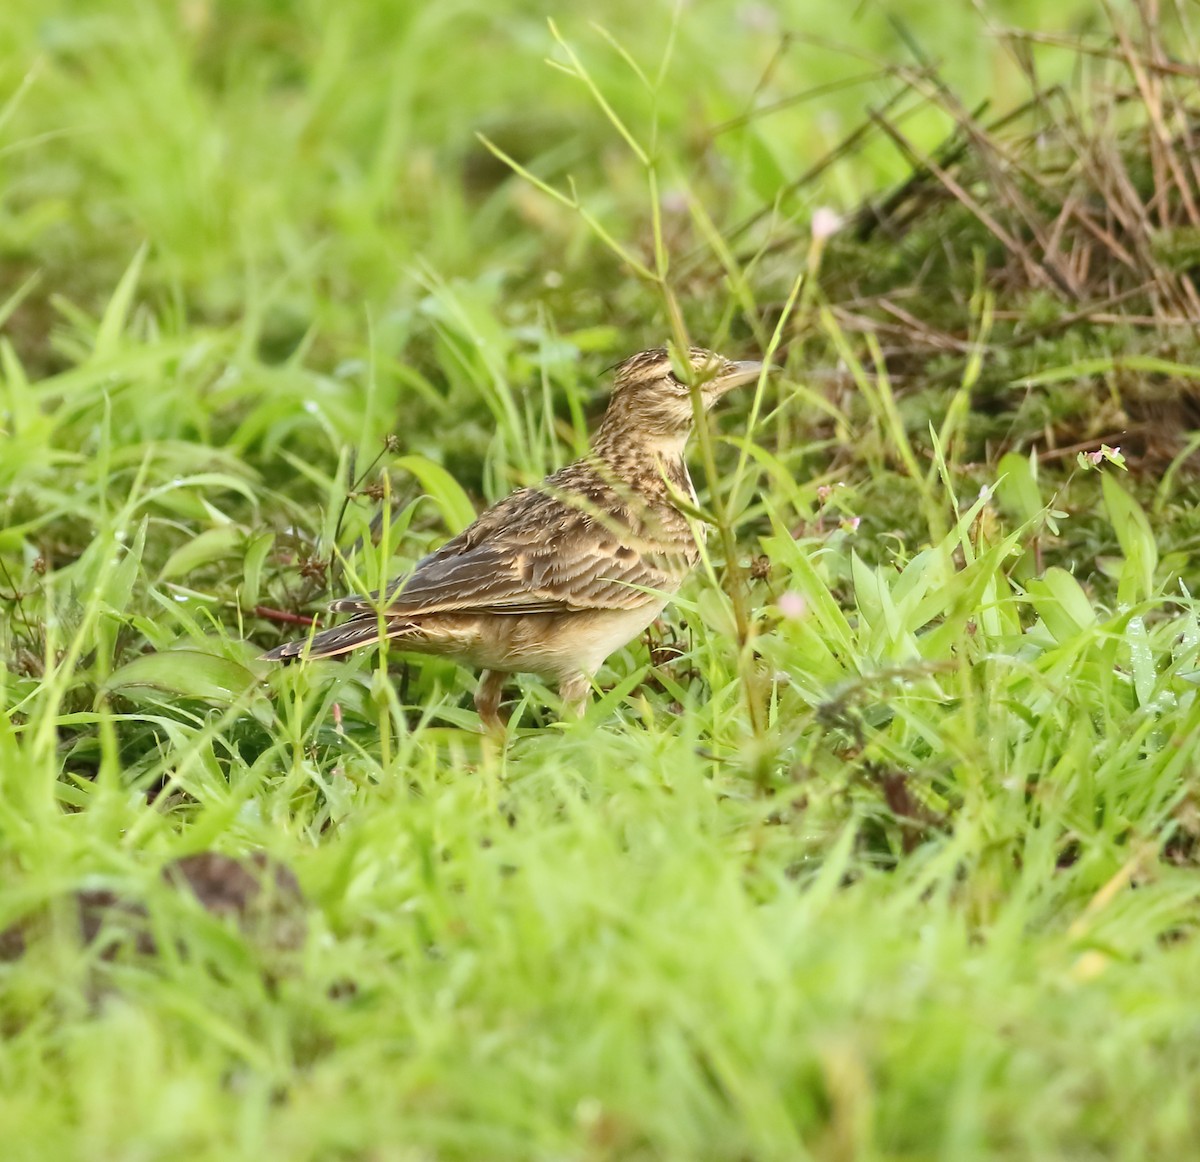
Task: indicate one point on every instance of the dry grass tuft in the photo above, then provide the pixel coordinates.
(1064, 234)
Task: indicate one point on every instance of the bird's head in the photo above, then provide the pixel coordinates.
(652, 393)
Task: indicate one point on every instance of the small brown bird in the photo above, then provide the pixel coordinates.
(555, 577)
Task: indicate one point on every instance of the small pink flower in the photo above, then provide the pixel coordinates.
(758, 18)
(674, 201)
(1103, 455)
(824, 492)
(792, 605)
(850, 523)
(825, 222)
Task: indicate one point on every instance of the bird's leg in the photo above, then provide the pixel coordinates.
(573, 692)
(487, 700)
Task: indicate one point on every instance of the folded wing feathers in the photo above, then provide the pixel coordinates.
(557, 550)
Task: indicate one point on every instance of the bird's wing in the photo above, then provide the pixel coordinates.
(572, 544)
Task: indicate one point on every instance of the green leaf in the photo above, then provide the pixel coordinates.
(716, 610)
(119, 588)
(252, 566)
(446, 492)
(1062, 604)
(1136, 539)
(1141, 661)
(1017, 487)
(1107, 364)
(186, 673)
(116, 314)
(211, 545)
(810, 585)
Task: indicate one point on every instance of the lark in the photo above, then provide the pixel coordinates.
(554, 578)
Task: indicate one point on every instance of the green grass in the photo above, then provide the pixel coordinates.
(887, 848)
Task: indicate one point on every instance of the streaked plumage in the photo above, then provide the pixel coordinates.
(554, 578)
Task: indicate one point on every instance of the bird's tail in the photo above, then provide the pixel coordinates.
(328, 643)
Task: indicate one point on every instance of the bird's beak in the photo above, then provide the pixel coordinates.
(746, 371)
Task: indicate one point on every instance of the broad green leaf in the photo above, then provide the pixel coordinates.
(866, 596)
(1136, 539)
(211, 545)
(716, 610)
(252, 566)
(1017, 487)
(889, 635)
(446, 492)
(1062, 604)
(173, 491)
(186, 673)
